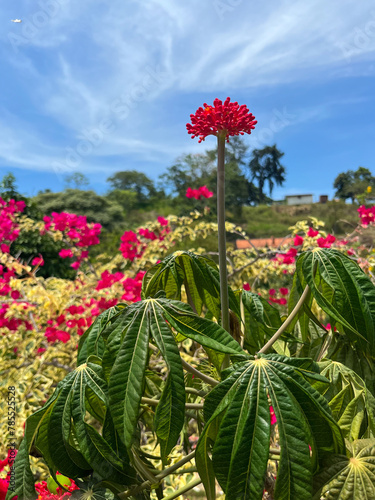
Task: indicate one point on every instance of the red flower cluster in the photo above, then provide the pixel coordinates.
(77, 231)
(367, 215)
(202, 192)
(288, 257)
(298, 240)
(312, 233)
(8, 226)
(227, 118)
(132, 247)
(132, 286)
(326, 242)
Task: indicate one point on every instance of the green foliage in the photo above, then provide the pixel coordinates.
(96, 208)
(93, 426)
(137, 182)
(349, 478)
(240, 452)
(350, 184)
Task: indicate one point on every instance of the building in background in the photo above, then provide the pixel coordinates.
(299, 199)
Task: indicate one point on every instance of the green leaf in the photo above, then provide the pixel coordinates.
(24, 478)
(201, 278)
(92, 341)
(351, 403)
(170, 412)
(240, 452)
(202, 330)
(125, 385)
(344, 292)
(346, 478)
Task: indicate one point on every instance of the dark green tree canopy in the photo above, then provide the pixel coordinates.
(96, 208)
(352, 183)
(265, 167)
(132, 180)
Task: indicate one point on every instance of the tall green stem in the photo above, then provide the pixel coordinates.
(221, 231)
(224, 299)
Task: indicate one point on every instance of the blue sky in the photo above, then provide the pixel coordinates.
(100, 86)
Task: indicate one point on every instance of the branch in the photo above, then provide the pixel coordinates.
(155, 402)
(191, 369)
(287, 322)
(197, 373)
(183, 489)
(159, 477)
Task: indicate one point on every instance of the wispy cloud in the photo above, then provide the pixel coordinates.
(87, 57)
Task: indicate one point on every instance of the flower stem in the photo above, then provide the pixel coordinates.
(224, 299)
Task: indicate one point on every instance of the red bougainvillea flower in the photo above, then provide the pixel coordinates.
(312, 233)
(326, 242)
(298, 240)
(227, 118)
(273, 416)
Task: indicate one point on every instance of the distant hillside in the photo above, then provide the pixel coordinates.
(265, 221)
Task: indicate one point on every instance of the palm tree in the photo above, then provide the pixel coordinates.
(265, 167)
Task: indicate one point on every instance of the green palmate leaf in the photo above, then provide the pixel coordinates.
(126, 356)
(346, 478)
(352, 404)
(127, 376)
(199, 275)
(344, 292)
(170, 412)
(91, 342)
(240, 451)
(24, 478)
(67, 430)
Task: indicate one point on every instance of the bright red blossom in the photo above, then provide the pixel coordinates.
(227, 118)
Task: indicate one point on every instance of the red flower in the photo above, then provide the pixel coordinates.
(162, 221)
(272, 291)
(298, 240)
(229, 118)
(284, 291)
(273, 416)
(326, 242)
(312, 233)
(66, 253)
(205, 192)
(246, 287)
(38, 261)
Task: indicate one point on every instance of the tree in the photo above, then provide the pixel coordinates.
(195, 170)
(96, 208)
(76, 180)
(352, 183)
(265, 167)
(8, 188)
(131, 180)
